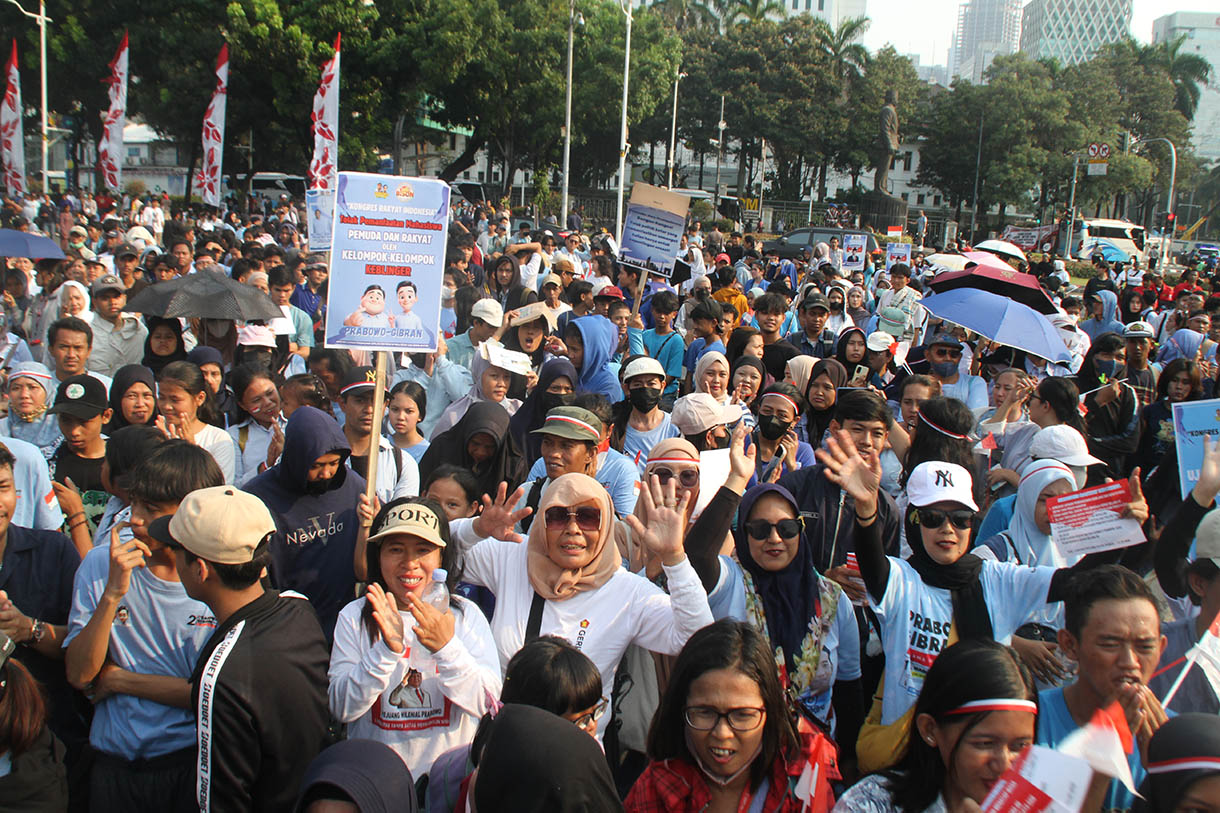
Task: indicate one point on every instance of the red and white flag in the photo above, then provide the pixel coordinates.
(12, 138)
(325, 118)
(208, 179)
(1104, 743)
(1206, 655)
(110, 152)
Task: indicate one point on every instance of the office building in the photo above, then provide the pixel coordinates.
(1202, 37)
(985, 29)
(1072, 31)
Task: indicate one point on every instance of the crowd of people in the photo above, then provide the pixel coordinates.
(768, 522)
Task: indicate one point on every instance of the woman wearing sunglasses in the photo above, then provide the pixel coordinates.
(722, 737)
(941, 594)
(568, 579)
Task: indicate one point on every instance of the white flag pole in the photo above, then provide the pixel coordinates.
(1191, 657)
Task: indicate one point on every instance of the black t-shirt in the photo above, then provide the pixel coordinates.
(86, 472)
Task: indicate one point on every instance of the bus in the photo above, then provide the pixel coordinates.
(1109, 239)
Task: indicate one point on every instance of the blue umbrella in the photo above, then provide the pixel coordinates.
(1001, 320)
(1110, 252)
(15, 243)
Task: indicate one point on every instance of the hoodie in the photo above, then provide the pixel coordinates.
(315, 538)
(600, 336)
(1107, 323)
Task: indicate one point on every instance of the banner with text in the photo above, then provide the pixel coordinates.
(897, 253)
(320, 206)
(855, 247)
(387, 254)
(1192, 420)
(652, 229)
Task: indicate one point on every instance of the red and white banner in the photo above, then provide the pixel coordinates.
(325, 120)
(110, 151)
(12, 139)
(208, 179)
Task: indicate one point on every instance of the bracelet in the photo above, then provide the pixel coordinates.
(869, 518)
(72, 526)
(76, 514)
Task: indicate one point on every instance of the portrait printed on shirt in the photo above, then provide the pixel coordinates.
(412, 703)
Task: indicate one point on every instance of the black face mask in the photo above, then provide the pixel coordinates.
(644, 399)
(836, 306)
(773, 428)
(550, 400)
(702, 294)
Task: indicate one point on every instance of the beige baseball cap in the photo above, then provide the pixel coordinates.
(699, 412)
(222, 524)
(490, 311)
(411, 519)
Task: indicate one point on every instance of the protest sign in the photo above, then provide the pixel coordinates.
(320, 206)
(1192, 421)
(386, 259)
(1088, 521)
(854, 248)
(1041, 779)
(897, 253)
(652, 229)
(497, 355)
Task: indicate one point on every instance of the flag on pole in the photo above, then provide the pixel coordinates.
(1206, 655)
(1104, 743)
(110, 152)
(12, 138)
(208, 179)
(325, 118)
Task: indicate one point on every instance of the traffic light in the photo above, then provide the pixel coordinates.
(1170, 218)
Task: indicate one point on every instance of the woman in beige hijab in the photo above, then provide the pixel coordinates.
(568, 580)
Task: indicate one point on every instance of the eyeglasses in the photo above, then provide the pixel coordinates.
(589, 718)
(587, 517)
(761, 529)
(688, 478)
(933, 518)
(706, 718)
(945, 352)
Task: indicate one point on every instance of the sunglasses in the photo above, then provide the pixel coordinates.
(587, 517)
(688, 478)
(761, 529)
(933, 518)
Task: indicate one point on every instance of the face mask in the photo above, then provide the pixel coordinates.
(550, 400)
(722, 781)
(448, 294)
(1105, 367)
(720, 442)
(644, 399)
(773, 428)
(944, 369)
(836, 306)
(702, 294)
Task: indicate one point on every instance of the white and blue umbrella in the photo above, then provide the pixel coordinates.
(1001, 320)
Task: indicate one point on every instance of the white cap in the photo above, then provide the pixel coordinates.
(489, 311)
(1207, 537)
(698, 412)
(1062, 443)
(1135, 330)
(879, 340)
(644, 365)
(598, 284)
(937, 481)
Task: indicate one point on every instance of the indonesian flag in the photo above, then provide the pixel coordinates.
(325, 118)
(1206, 655)
(12, 139)
(110, 152)
(1104, 743)
(208, 179)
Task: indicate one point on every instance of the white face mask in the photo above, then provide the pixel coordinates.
(722, 781)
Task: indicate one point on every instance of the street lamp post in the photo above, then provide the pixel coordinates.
(42, 19)
(673, 133)
(720, 127)
(1169, 207)
(567, 115)
(625, 5)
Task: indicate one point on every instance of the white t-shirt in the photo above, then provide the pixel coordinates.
(601, 623)
(915, 621)
(223, 449)
(369, 690)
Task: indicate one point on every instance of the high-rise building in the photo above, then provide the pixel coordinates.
(832, 11)
(985, 29)
(1202, 32)
(1071, 31)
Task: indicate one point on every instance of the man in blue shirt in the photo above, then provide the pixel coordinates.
(1113, 632)
(662, 342)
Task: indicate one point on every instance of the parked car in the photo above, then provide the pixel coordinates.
(790, 245)
(1201, 253)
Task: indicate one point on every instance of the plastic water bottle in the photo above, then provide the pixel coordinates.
(436, 594)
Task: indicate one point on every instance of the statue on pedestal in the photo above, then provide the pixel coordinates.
(887, 143)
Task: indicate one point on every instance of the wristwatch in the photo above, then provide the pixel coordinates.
(37, 630)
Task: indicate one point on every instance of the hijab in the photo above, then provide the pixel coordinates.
(537, 762)
(961, 579)
(548, 579)
(1184, 750)
(157, 363)
(860, 315)
(538, 403)
(1034, 547)
(841, 348)
(799, 369)
(789, 596)
(664, 453)
(1184, 344)
(765, 381)
(124, 379)
(707, 360)
(453, 413)
(818, 421)
(70, 284)
(505, 466)
(41, 429)
(369, 772)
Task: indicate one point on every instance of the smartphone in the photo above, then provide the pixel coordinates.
(860, 377)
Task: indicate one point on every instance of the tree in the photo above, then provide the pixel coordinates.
(847, 58)
(685, 15)
(1186, 71)
(746, 12)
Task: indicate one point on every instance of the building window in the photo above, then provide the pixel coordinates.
(466, 175)
(133, 152)
(480, 176)
(796, 4)
(821, 5)
(808, 5)
(452, 141)
(936, 201)
(919, 198)
(904, 195)
(906, 161)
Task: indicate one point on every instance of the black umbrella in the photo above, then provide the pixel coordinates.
(205, 295)
(14, 243)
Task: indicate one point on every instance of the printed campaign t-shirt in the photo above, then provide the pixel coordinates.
(915, 621)
(158, 630)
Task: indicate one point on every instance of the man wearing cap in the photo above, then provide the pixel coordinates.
(552, 293)
(647, 424)
(944, 355)
(486, 317)
(259, 686)
(814, 338)
(1141, 374)
(118, 338)
(397, 472)
(603, 298)
(880, 348)
(704, 421)
(82, 409)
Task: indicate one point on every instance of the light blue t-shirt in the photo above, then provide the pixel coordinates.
(969, 389)
(36, 504)
(1055, 723)
(157, 630)
(615, 471)
(637, 444)
(417, 451)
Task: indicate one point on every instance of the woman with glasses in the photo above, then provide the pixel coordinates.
(568, 579)
(942, 593)
(722, 738)
(1024, 411)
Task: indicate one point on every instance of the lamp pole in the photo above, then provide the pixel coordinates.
(625, 5)
(567, 115)
(1173, 177)
(42, 20)
(673, 133)
(720, 126)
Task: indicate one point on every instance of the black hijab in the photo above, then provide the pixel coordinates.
(126, 376)
(370, 773)
(505, 466)
(532, 412)
(841, 348)
(157, 363)
(1181, 752)
(756, 363)
(818, 421)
